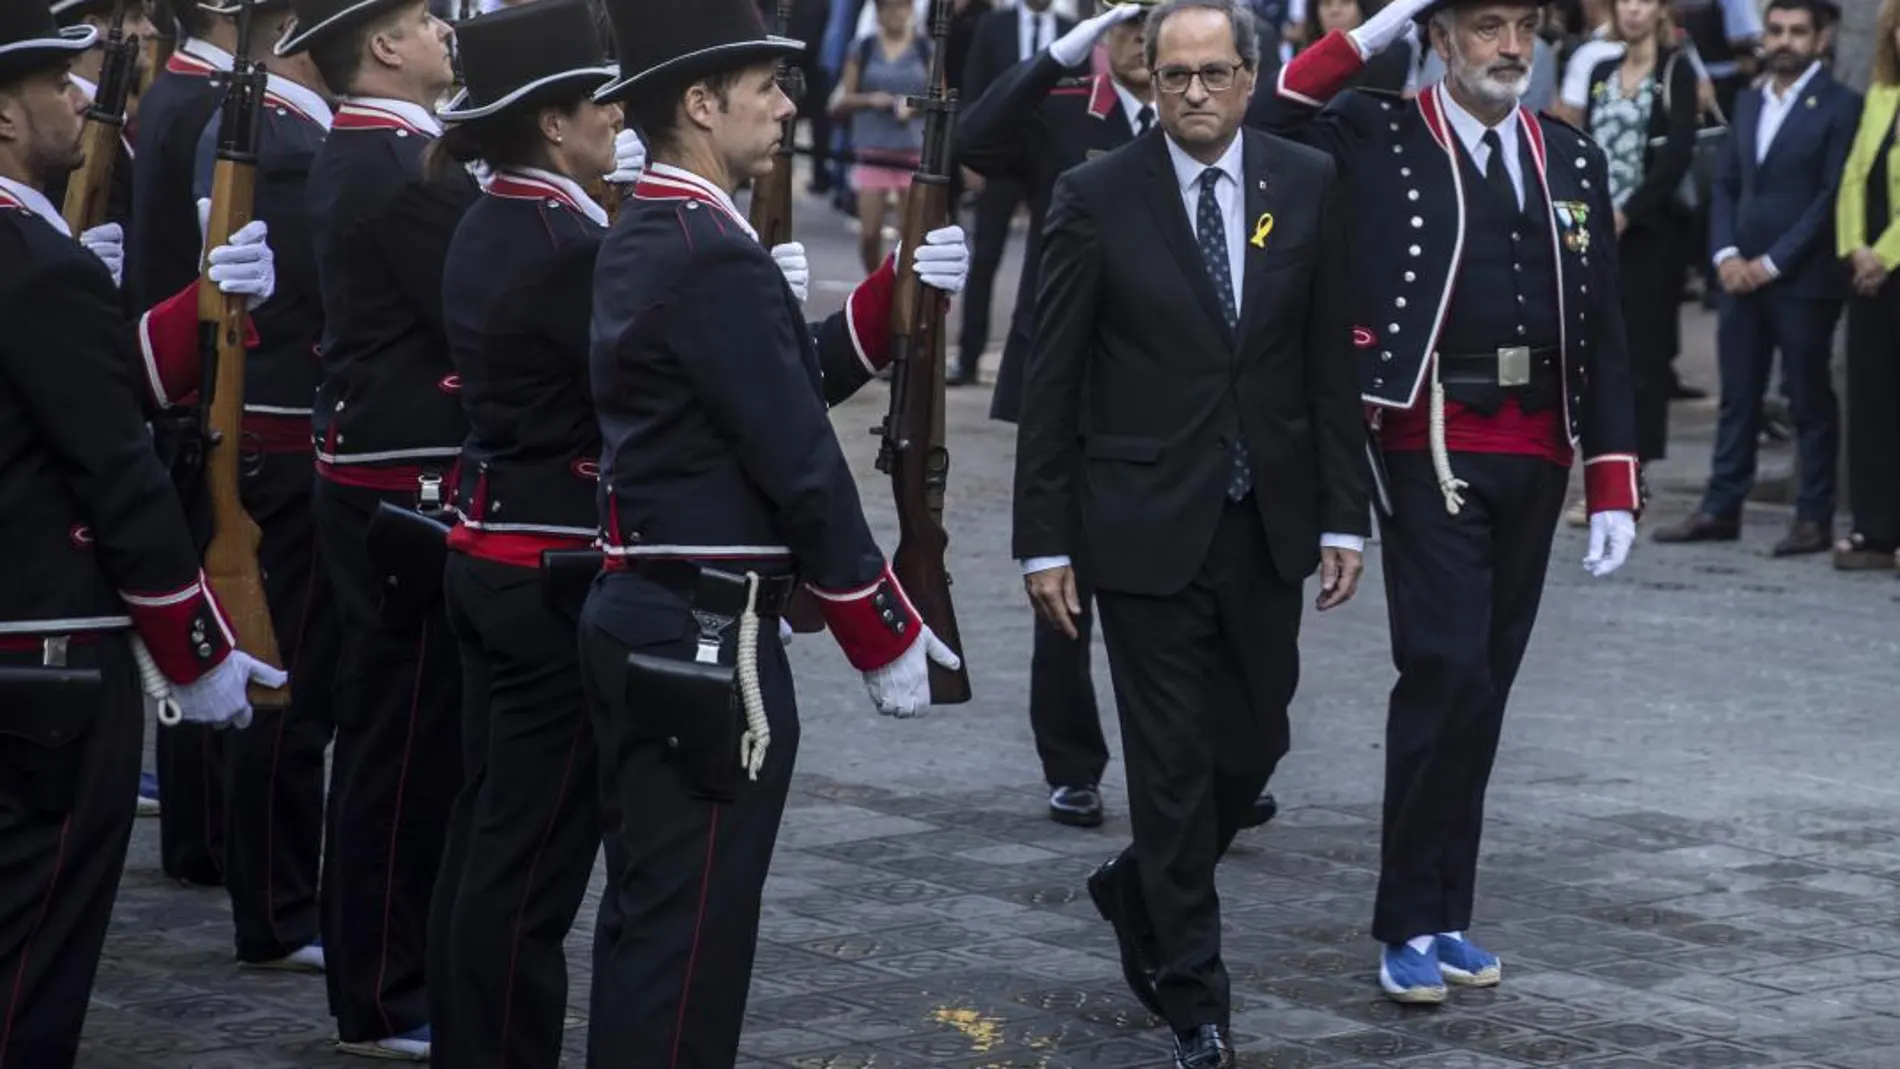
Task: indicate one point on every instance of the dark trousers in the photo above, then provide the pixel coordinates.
(1062, 710)
(995, 207)
(1463, 593)
(393, 778)
(680, 917)
(1202, 681)
(525, 828)
(1750, 330)
(190, 765)
(1873, 414)
(273, 770)
(66, 810)
(1652, 306)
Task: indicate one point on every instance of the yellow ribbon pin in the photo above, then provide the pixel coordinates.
(1261, 228)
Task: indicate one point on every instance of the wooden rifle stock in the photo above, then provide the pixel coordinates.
(913, 453)
(91, 186)
(157, 52)
(231, 559)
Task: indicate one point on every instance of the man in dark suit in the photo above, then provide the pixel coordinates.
(1003, 39)
(1191, 432)
(1770, 234)
(1037, 121)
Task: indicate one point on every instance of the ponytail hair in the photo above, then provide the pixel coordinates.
(510, 139)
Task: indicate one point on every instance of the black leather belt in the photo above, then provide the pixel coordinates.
(1507, 367)
(715, 590)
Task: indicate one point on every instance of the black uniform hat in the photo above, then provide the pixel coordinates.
(70, 12)
(1425, 13)
(667, 40)
(31, 41)
(317, 19)
(231, 7)
(524, 56)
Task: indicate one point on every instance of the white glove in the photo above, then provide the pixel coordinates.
(218, 697)
(1386, 25)
(785, 632)
(791, 261)
(1073, 47)
(902, 687)
(944, 261)
(107, 242)
(630, 158)
(246, 267)
(1611, 536)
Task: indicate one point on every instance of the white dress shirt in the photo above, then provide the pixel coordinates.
(303, 98)
(1774, 112)
(206, 51)
(1035, 31)
(1470, 130)
(1131, 108)
(34, 201)
(1230, 195)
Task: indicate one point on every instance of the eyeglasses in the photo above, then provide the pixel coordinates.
(1215, 77)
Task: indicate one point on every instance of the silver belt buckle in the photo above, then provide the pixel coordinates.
(1514, 365)
(429, 492)
(53, 652)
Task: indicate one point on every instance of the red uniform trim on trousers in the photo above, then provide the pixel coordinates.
(699, 925)
(395, 823)
(26, 949)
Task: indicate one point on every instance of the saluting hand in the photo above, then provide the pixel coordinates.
(1072, 48)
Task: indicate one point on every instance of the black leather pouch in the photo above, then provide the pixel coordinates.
(410, 550)
(44, 713)
(695, 707)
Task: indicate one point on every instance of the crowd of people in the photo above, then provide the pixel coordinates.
(535, 446)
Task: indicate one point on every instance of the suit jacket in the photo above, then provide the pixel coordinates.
(1407, 197)
(1034, 123)
(162, 247)
(1781, 206)
(1136, 389)
(996, 47)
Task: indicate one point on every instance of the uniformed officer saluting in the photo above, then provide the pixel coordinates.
(388, 426)
(1491, 344)
(722, 486)
(103, 561)
(516, 294)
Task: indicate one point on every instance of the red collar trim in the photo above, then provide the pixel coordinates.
(7, 200)
(1433, 111)
(1103, 100)
(186, 63)
(664, 187)
(514, 186)
(366, 117)
(275, 101)
(1533, 135)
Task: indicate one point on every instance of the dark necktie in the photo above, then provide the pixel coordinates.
(1036, 35)
(1144, 120)
(1211, 232)
(1495, 174)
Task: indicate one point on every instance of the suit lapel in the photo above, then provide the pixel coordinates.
(1171, 218)
(1809, 99)
(1255, 226)
(1746, 124)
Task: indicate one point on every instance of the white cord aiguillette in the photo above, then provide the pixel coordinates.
(1448, 484)
(758, 732)
(155, 685)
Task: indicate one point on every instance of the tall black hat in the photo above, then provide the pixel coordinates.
(318, 19)
(31, 40)
(667, 40)
(69, 12)
(1425, 13)
(527, 55)
(232, 7)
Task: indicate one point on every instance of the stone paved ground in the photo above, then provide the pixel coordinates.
(1693, 857)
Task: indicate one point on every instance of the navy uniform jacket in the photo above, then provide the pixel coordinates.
(163, 248)
(389, 403)
(1032, 124)
(1783, 206)
(87, 514)
(712, 397)
(1408, 231)
(516, 293)
(281, 372)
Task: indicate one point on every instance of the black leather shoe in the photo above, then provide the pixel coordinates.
(1805, 536)
(1700, 527)
(1204, 1048)
(1106, 892)
(1264, 808)
(1078, 807)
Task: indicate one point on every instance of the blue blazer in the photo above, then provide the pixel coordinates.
(1782, 207)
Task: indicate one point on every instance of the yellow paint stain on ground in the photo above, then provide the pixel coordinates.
(984, 1033)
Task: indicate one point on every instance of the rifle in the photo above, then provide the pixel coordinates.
(86, 194)
(912, 452)
(231, 559)
(157, 50)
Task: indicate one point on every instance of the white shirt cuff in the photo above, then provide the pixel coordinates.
(1768, 265)
(1356, 543)
(1043, 564)
(1723, 256)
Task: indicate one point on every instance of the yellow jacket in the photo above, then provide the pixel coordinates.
(1850, 208)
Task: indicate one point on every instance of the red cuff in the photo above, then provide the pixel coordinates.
(185, 630)
(1322, 72)
(867, 316)
(168, 340)
(1610, 484)
(873, 624)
